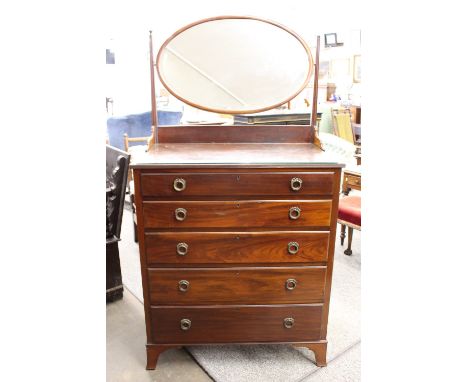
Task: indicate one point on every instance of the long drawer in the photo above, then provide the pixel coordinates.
(227, 214)
(308, 183)
(284, 323)
(236, 247)
(265, 285)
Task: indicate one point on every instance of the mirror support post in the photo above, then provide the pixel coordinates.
(314, 126)
(154, 114)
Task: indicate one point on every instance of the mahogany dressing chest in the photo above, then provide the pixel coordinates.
(236, 228)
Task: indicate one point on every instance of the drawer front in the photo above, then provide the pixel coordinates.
(266, 285)
(353, 180)
(226, 214)
(236, 247)
(236, 324)
(315, 183)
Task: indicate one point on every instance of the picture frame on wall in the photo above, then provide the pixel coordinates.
(330, 39)
(357, 69)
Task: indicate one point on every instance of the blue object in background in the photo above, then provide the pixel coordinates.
(137, 125)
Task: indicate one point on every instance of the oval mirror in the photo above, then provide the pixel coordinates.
(234, 64)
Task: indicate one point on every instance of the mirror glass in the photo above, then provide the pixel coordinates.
(234, 65)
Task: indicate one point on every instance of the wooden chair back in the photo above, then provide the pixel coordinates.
(117, 163)
(342, 125)
(150, 141)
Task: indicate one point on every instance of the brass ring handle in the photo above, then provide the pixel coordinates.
(184, 285)
(179, 184)
(294, 213)
(185, 324)
(182, 249)
(180, 214)
(291, 284)
(296, 184)
(293, 247)
(288, 322)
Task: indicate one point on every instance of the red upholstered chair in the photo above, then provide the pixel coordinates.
(349, 215)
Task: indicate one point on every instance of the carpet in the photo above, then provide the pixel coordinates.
(267, 363)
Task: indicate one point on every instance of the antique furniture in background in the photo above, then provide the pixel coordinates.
(358, 159)
(355, 114)
(117, 163)
(269, 118)
(137, 125)
(236, 224)
(342, 124)
(351, 180)
(349, 215)
(343, 128)
(274, 118)
(148, 143)
(356, 121)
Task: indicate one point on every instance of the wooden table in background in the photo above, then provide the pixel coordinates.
(355, 114)
(351, 181)
(283, 118)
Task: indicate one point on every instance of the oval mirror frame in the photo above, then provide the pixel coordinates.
(229, 111)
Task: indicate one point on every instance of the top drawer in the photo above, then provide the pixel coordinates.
(202, 184)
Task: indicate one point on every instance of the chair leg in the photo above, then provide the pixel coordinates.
(343, 233)
(135, 227)
(135, 232)
(348, 251)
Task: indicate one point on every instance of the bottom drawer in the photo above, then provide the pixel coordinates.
(243, 324)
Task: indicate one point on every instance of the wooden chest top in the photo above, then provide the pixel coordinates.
(235, 155)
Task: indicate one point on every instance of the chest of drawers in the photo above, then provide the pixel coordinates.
(236, 247)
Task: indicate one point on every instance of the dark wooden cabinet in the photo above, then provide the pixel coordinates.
(236, 228)
(236, 252)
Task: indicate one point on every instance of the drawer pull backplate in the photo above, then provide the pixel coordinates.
(184, 285)
(185, 324)
(294, 213)
(179, 184)
(293, 247)
(182, 249)
(291, 284)
(296, 184)
(180, 214)
(288, 322)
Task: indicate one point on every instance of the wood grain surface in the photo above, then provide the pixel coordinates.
(236, 247)
(234, 155)
(246, 285)
(315, 183)
(236, 324)
(226, 214)
(238, 134)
